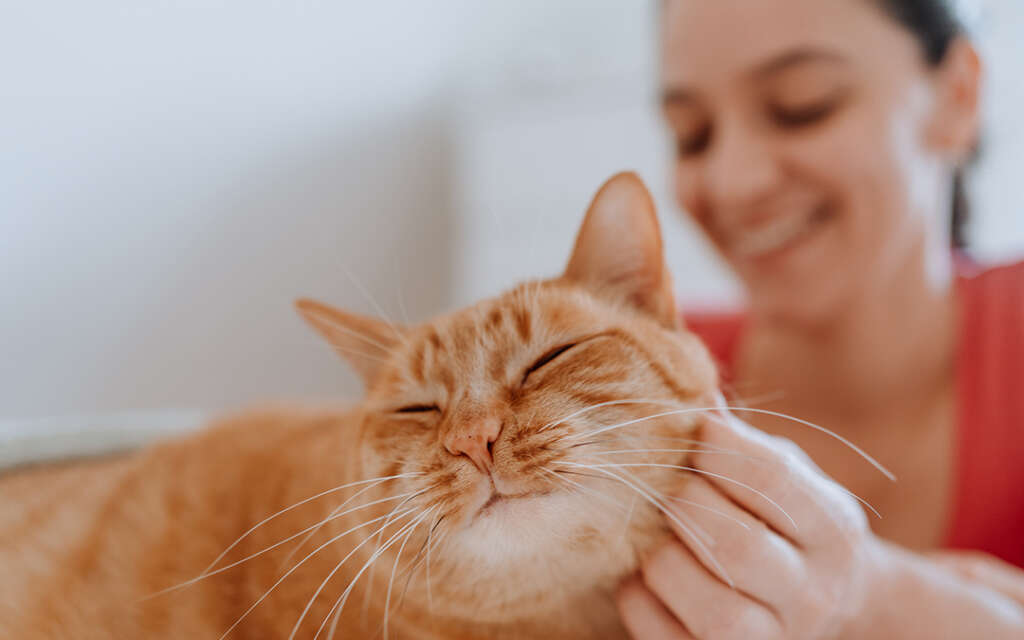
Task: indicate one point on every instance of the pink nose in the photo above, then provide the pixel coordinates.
(473, 439)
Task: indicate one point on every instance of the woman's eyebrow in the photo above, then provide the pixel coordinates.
(681, 96)
(673, 96)
(795, 57)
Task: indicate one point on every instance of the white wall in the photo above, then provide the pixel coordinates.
(172, 174)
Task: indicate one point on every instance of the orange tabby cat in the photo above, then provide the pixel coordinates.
(461, 499)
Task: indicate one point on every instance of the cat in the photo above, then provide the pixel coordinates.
(476, 491)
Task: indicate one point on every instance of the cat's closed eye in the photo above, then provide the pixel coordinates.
(546, 358)
(418, 408)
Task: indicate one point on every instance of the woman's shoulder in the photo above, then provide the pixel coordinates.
(992, 303)
(990, 512)
(999, 285)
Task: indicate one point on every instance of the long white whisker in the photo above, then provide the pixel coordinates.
(877, 465)
(693, 470)
(317, 527)
(340, 603)
(711, 451)
(609, 403)
(668, 513)
(363, 337)
(430, 593)
(292, 570)
(401, 296)
(380, 534)
(361, 354)
(391, 581)
(338, 566)
(420, 557)
(373, 302)
(585, 489)
(277, 544)
(707, 508)
(299, 504)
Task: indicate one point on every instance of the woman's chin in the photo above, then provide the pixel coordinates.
(815, 303)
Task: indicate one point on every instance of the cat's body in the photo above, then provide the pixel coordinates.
(489, 449)
(83, 543)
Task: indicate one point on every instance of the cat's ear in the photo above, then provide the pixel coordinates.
(619, 252)
(363, 341)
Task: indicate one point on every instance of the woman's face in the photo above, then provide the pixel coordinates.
(811, 145)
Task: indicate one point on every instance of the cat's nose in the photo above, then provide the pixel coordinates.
(473, 439)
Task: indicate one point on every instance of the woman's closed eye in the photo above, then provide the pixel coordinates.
(693, 143)
(804, 114)
(546, 358)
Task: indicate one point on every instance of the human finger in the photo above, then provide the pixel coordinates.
(709, 608)
(645, 617)
(769, 479)
(755, 559)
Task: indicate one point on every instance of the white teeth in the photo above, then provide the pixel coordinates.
(770, 236)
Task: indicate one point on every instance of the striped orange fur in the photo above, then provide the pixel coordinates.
(477, 418)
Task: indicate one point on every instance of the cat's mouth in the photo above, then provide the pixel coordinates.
(498, 501)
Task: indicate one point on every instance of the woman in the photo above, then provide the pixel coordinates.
(820, 145)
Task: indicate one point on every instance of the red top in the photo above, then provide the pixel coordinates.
(988, 496)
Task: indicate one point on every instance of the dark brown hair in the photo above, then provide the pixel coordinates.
(936, 25)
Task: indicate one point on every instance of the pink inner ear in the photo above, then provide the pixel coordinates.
(618, 250)
(363, 341)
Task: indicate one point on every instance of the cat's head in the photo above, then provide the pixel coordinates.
(513, 418)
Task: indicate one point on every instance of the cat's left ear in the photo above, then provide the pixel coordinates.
(619, 252)
(363, 341)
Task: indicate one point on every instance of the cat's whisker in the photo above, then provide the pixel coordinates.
(401, 296)
(877, 465)
(697, 471)
(430, 593)
(358, 335)
(706, 451)
(338, 566)
(608, 403)
(415, 563)
(704, 507)
(672, 516)
(373, 301)
(339, 604)
(586, 490)
(333, 513)
(293, 569)
(299, 504)
(366, 597)
(277, 544)
(360, 354)
(391, 581)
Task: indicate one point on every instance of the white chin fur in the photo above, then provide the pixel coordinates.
(537, 528)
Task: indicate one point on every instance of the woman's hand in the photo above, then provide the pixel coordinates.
(743, 567)
(985, 570)
(790, 555)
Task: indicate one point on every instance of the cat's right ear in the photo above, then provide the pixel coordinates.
(619, 253)
(363, 341)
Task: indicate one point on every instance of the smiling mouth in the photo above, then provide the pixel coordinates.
(778, 234)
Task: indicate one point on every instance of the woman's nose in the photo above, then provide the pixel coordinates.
(741, 168)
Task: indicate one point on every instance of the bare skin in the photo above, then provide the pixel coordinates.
(815, 150)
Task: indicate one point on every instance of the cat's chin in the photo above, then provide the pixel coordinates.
(540, 553)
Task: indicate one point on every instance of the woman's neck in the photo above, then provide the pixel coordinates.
(890, 347)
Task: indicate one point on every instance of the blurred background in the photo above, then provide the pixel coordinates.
(174, 174)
